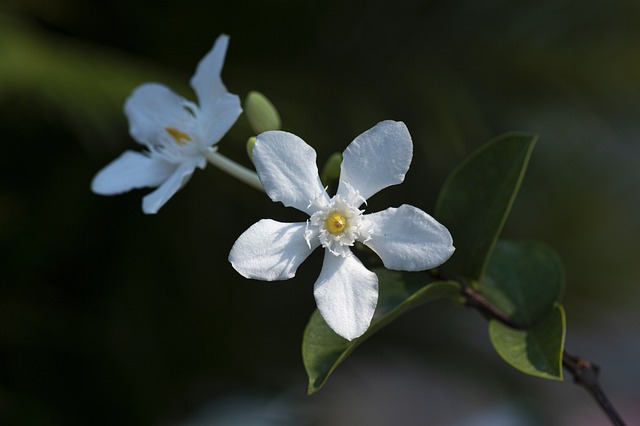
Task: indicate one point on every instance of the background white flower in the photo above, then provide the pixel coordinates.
(177, 133)
(405, 238)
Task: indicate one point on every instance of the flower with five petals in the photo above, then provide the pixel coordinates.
(405, 238)
(178, 134)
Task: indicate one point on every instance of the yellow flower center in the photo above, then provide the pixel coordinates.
(335, 223)
(181, 138)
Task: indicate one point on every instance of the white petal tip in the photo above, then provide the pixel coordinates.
(346, 294)
(149, 209)
(260, 277)
(270, 250)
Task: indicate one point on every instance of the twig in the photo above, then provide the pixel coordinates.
(476, 300)
(584, 372)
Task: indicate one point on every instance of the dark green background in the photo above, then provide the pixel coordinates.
(109, 316)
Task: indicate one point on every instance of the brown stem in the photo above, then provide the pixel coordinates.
(584, 372)
(476, 300)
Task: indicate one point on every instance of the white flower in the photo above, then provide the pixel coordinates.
(177, 133)
(405, 238)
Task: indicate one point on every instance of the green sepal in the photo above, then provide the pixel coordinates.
(323, 350)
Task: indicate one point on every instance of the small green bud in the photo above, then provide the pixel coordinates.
(250, 143)
(331, 169)
(261, 113)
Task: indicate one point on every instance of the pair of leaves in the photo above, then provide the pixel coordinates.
(524, 280)
(474, 204)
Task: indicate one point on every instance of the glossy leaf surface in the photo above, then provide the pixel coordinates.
(477, 197)
(323, 350)
(524, 280)
(536, 351)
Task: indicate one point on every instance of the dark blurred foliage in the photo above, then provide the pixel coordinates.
(108, 316)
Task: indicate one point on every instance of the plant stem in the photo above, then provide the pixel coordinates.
(584, 372)
(234, 169)
(476, 300)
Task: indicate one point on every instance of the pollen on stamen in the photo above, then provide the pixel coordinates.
(181, 138)
(335, 223)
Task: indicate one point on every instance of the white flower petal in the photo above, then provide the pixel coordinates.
(151, 108)
(218, 118)
(219, 109)
(270, 250)
(346, 294)
(378, 158)
(287, 169)
(206, 81)
(130, 171)
(408, 239)
(152, 202)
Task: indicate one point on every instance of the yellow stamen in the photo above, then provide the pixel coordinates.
(335, 223)
(181, 138)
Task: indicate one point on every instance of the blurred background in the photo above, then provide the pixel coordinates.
(110, 316)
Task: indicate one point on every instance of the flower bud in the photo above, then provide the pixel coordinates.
(261, 113)
(331, 169)
(250, 143)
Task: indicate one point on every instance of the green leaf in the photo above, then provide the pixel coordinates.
(524, 280)
(476, 199)
(536, 351)
(323, 350)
